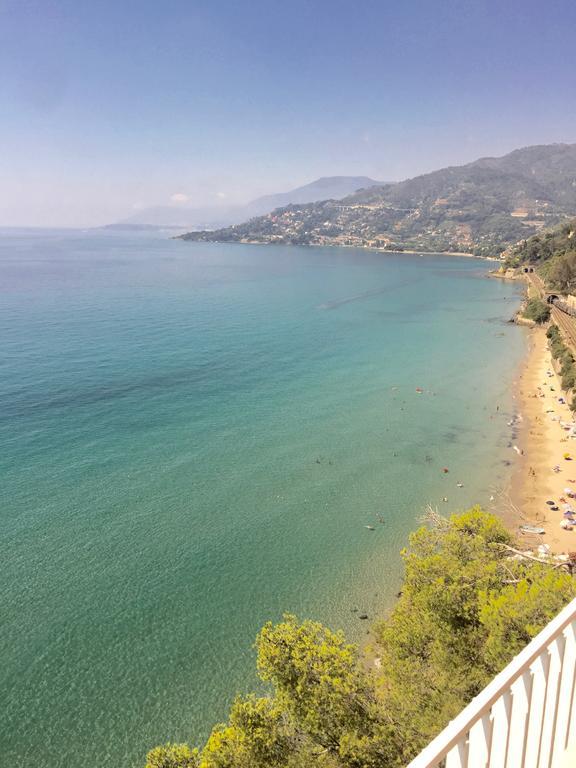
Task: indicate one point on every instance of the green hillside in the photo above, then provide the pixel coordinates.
(552, 252)
(481, 207)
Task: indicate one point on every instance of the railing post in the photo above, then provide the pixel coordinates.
(458, 756)
(565, 693)
(521, 697)
(539, 670)
(479, 742)
(501, 719)
(556, 654)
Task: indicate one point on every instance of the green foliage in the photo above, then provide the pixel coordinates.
(318, 680)
(569, 379)
(314, 672)
(514, 614)
(465, 610)
(561, 272)
(552, 252)
(432, 662)
(557, 348)
(259, 735)
(560, 352)
(537, 310)
(442, 643)
(173, 756)
(566, 361)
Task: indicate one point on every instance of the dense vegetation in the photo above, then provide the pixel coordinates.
(465, 610)
(480, 207)
(552, 253)
(537, 310)
(565, 358)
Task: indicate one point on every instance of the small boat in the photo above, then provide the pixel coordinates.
(370, 527)
(531, 529)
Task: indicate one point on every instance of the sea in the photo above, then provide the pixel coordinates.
(197, 438)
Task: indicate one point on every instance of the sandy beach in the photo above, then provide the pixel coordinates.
(543, 439)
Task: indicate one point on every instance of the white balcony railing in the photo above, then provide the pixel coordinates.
(526, 717)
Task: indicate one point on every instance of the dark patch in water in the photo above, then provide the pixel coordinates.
(450, 437)
(207, 376)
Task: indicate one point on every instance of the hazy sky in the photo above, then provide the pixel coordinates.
(110, 105)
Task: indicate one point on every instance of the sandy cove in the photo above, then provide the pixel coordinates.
(543, 442)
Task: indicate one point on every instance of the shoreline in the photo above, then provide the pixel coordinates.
(343, 245)
(543, 442)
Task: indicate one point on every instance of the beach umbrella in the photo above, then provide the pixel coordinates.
(550, 503)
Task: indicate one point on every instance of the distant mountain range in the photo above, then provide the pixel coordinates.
(187, 218)
(326, 188)
(480, 207)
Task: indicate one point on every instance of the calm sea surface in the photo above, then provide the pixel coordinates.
(193, 438)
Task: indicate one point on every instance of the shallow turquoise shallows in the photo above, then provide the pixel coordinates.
(193, 439)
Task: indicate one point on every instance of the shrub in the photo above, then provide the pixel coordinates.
(537, 310)
(569, 378)
(173, 756)
(566, 363)
(557, 348)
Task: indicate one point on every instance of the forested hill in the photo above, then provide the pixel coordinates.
(481, 207)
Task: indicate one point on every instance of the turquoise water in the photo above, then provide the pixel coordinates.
(193, 437)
